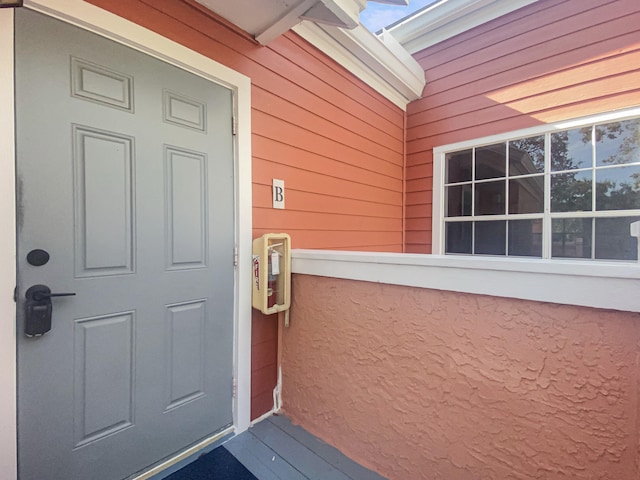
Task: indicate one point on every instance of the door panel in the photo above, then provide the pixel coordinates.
(103, 195)
(186, 208)
(125, 176)
(103, 376)
(185, 355)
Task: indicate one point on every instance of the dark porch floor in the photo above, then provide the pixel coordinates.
(275, 449)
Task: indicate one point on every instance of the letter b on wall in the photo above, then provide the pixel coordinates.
(278, 193)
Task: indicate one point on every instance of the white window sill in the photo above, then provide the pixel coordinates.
(591, 284)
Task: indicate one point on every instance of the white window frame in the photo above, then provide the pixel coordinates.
(439, 175)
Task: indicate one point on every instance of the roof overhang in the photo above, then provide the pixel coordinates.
(268, 19)
(447, 18)
(333, 26)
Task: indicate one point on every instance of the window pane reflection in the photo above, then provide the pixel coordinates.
(491, 161)
(571, 237)
(510, 193)
(458, 200)
(490, 198)
(526, 195)
(618, 188)
(525, 238)
(490, 238)
(613, 241)
(571, 192)
(458, 166)
(458, 237)
(526, 155)
(618, 142)
(571, 149)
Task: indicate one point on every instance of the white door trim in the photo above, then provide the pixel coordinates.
(116, 28)
(8, 452)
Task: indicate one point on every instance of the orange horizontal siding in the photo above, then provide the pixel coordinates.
(269, 218)
(419, 184)
(417, 225)
(583, 47)
(548, 62)
(293, 88)
(261, 403)
(490, 33)
(324, 118)
(262, 380)
(263, 354)
(421, 170)
(304, 181)
(525, 40)
(418, 248)
(419, 164)
(499, 90)
(387, 116)
(326, 68)
(297, 136)
(418, 213)
(607, 103)
(508, 86)
(417, 237)
(373, 248)
(337, 240)
(536, 105)
(420, 197)
(265, 326)
(270, 153)
(297, 200)
(484, 126)
(291, 66)
(264, 329)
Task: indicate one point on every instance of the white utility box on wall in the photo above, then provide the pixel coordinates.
(272, 273)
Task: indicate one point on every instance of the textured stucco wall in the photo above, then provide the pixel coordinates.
(424, 384)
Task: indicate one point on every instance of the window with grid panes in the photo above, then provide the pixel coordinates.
(562, 194)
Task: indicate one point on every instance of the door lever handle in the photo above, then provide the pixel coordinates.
(39, 296)
(42, 292)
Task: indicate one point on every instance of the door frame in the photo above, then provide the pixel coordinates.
(111, 26)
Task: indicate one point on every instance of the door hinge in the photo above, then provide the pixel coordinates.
(234, 388)
(235, 256)
(234, 126)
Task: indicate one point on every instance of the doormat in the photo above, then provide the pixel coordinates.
(218, 464)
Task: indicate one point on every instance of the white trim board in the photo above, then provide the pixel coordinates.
(8, 452)
(116, 28)
(603, 285)
(448, 18)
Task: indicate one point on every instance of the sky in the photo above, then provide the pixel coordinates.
(378, 15)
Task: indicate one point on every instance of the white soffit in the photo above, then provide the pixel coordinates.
(448, 18)
(268, 19)
(382, 64)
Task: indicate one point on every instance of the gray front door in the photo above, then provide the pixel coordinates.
(125, 177)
